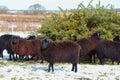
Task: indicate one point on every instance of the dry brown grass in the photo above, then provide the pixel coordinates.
(22, 22)
(22, 18)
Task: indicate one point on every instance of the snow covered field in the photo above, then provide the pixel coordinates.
(10, 70)
(33, 70)
(21, 34)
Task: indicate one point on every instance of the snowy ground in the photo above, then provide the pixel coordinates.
(21, 34)
(32, 70)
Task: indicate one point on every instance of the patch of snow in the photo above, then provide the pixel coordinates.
(5, 54)
(21, 34)
(62, 72)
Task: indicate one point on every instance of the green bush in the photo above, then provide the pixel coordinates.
(82, 22)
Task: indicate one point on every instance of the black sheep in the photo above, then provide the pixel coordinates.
(66, 51)
(5, 43)
(116, 38)
(88, 45)
(29, 37)
(108, 49)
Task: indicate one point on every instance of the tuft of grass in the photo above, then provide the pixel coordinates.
(1, 76)
(21, 78)
(13, 78)
(83, 79)
(3, 63)
(37, 78)
(103, 75)
(117, 78)
(17, 63)
(9, 70)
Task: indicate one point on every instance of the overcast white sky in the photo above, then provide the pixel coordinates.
(53, 4)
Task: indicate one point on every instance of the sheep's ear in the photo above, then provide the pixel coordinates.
(96, 34)
(119, 37)
(45, 43)
(49, 40)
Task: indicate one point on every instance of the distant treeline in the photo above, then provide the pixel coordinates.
(35, 9)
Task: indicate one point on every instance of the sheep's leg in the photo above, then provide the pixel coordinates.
(50, 66)
(118, 62)
(13, 56)
(1, 53)
(42, 61)
(31, 58)
(94, 57)
(90, 56)
(16, 56)
(112, 62)
(79, 59)
(27, 57)
(21, 58)
(74, 67)
(101, 61)
(10, 56)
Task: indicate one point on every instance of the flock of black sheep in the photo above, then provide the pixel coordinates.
(64, 51)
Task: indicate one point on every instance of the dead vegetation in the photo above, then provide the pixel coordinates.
(21, 22)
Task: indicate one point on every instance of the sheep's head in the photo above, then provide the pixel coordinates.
(117, 38)
(45, 43)
(14, 40)
(31, 37)
(96, 34)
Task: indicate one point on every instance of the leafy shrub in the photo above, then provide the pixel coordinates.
(81, 22)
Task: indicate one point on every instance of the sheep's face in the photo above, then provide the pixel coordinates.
(31, 37)
(117, 38)
(45, 43)
(96, 34)
(15, 40)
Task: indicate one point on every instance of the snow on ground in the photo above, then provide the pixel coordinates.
(22, 34)
(36, 71)
(14, 70)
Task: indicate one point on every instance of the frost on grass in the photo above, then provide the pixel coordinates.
(36, 71)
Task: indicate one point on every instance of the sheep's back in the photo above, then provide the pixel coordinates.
(66, 51)
(88, 44)
(109, 49)
(27, 47)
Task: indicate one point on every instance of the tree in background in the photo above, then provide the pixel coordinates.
(82, 22)
(3, 9)
(36, 8)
